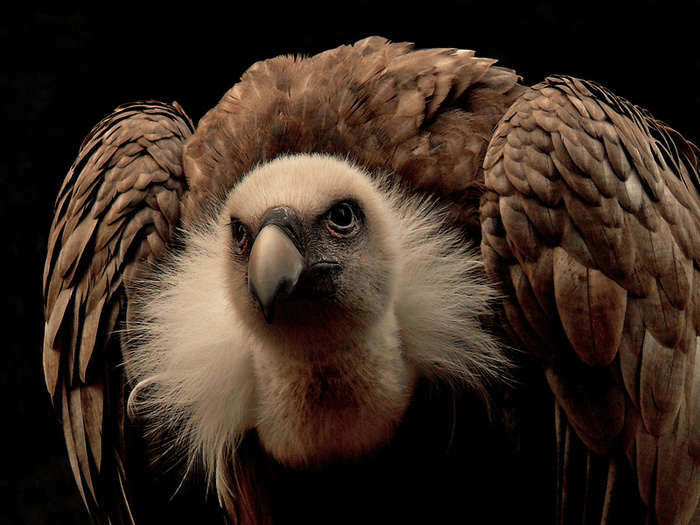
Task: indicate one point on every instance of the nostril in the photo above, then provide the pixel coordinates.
(317, 281)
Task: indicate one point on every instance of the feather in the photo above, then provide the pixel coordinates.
(594, 403)
(538, 319)
(621, 273)
(662, 374)
(82, 284)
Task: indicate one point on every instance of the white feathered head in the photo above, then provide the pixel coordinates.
(306, 309)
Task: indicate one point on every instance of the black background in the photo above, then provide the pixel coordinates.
(62, 69)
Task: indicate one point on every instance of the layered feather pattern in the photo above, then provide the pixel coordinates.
(591, 222)
(426, 115)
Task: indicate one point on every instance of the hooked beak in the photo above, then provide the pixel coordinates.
(274, 268)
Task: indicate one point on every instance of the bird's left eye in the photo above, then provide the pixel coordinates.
(342, 218)
(239, 233)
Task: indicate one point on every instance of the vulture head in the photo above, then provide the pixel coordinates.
(312, 273)
(305, 309)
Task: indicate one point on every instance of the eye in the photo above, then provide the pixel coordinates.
(342, 218)
(239, 233)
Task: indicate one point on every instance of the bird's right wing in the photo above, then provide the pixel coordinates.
(117, 210)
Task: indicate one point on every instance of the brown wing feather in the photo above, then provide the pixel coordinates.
(591, 224)
(118, 207)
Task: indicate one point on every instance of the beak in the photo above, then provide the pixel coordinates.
(274, 267)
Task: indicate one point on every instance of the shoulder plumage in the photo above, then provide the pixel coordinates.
(381, 104)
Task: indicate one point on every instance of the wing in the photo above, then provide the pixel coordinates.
(116, 211)
(591, 223)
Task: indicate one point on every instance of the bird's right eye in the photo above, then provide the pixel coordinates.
(239, 233)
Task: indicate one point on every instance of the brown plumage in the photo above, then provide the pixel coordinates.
(384, 105)
(587, 211)
(590, 222)
(118, 206)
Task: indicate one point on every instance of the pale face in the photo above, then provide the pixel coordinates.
(311, 269)
(316, 221)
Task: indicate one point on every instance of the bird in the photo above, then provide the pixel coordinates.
(380, 284)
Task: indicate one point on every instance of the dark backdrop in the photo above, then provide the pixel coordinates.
(61, 70)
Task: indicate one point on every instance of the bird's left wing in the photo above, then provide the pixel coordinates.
(591, 222)
(117, 209)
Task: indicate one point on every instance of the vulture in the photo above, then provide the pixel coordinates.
(380, 285)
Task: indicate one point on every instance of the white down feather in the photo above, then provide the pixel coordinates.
(192, 357)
